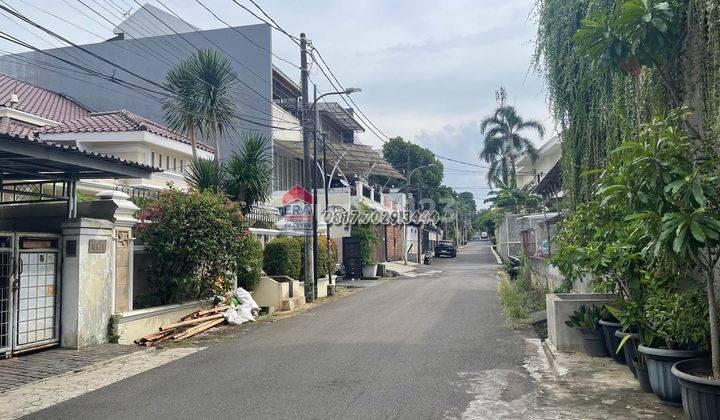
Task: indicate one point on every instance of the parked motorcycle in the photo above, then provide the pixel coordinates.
(427, 258)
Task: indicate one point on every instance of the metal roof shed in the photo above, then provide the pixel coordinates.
(36, 171)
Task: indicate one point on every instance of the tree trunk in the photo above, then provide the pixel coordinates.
(217, 140)
(193, 142)
(714, 328)
(513, 177)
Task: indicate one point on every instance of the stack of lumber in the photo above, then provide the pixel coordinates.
(188, 326)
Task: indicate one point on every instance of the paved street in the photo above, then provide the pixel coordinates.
(426, 347)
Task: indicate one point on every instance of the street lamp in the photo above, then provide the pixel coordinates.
(314, 110)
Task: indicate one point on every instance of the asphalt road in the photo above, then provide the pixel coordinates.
(412, 348)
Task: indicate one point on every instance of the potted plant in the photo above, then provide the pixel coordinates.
(610, 325)
(635, 332)
(369, 240)
(587, 320)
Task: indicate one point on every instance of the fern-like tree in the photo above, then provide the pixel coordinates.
(504, 141)
(203, 90)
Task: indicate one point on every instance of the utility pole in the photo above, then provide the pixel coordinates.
(307, 167)
(316, 124)
(326, 183)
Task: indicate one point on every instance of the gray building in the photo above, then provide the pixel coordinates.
(148, 43)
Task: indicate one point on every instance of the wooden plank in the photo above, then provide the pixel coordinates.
(198, 329)
(191, 322)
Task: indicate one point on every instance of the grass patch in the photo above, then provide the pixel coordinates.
(520, 297)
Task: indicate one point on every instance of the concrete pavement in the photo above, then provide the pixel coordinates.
(425, 347)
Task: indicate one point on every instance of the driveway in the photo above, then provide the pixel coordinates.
(425, 347)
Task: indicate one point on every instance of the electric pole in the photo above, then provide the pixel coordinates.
(316, 124)
(307, 167)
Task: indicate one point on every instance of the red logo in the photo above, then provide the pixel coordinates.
(297, 193)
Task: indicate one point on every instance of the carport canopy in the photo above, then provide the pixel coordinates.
(32, 170)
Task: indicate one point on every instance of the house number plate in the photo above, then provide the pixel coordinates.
(97, 246)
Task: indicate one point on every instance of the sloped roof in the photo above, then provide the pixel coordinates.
(16, 128)
(118, 121)
(40, 102)
(340, 115)
(26, 158)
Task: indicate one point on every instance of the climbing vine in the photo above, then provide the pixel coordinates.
(598, 107)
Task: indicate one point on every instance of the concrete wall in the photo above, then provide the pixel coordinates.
(543, 273)
(102, 95)
(559, 309)
(135, 324)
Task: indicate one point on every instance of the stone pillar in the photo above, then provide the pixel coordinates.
(124, 243)
(87, 274)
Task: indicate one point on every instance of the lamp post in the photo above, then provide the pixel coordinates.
(316, 114)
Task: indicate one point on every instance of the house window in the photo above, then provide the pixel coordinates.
(175, 164)
(181, 166)
(152, 158)
(167, 162)
(160, 161)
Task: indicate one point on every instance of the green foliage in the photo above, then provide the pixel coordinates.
(406, 156)
(513, 199)
(521, 297)
(249, 172)
(194, 239)
(326, 262)
(250, 263)
(206, 175)
(283, 257)
(585, 317)
(679, 318)
(244, 177)
(504, 142)
(203, 90)
(369, 240)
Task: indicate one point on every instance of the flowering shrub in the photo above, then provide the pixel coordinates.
(195, 240)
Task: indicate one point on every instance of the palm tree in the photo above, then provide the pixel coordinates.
(181, 110)
(243, 177)
(504, 142)
(249, 171)
(216, 94)
(206, 174)
(203, 90)
(513, 199)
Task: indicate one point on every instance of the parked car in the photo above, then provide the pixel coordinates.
(483, 235)
(445, 248)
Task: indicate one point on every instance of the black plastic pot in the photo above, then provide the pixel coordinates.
(629, 349)
(642, 376)
(593, 343)
(700, 396)
(612, 342)
(659, 363)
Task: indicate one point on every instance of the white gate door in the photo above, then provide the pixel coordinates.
(30, 279)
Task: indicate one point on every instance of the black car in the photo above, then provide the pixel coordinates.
(445, 248)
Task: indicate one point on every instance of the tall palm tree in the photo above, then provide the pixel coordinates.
(203, 90)
(216, 94)
(181, 110)
(504, 142)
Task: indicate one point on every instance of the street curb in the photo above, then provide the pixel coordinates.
(497, 257)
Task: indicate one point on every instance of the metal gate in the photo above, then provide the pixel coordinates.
(29, 291)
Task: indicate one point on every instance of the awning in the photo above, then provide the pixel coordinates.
(354, 158)
(340, 115)
(30, 159)
(550, 183)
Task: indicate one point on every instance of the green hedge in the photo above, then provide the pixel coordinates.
(283, 257)
(250, 263)
(323, 258)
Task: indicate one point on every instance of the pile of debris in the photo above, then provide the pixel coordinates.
(235, 309)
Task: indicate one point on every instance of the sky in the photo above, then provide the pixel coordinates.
(428, 70)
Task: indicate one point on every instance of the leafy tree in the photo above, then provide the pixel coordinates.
(504, 142)
(195, 239)
(203, 88)
(407, 157)
(206, 175)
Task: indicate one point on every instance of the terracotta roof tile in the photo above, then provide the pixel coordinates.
(117, 121)
(40, 102)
